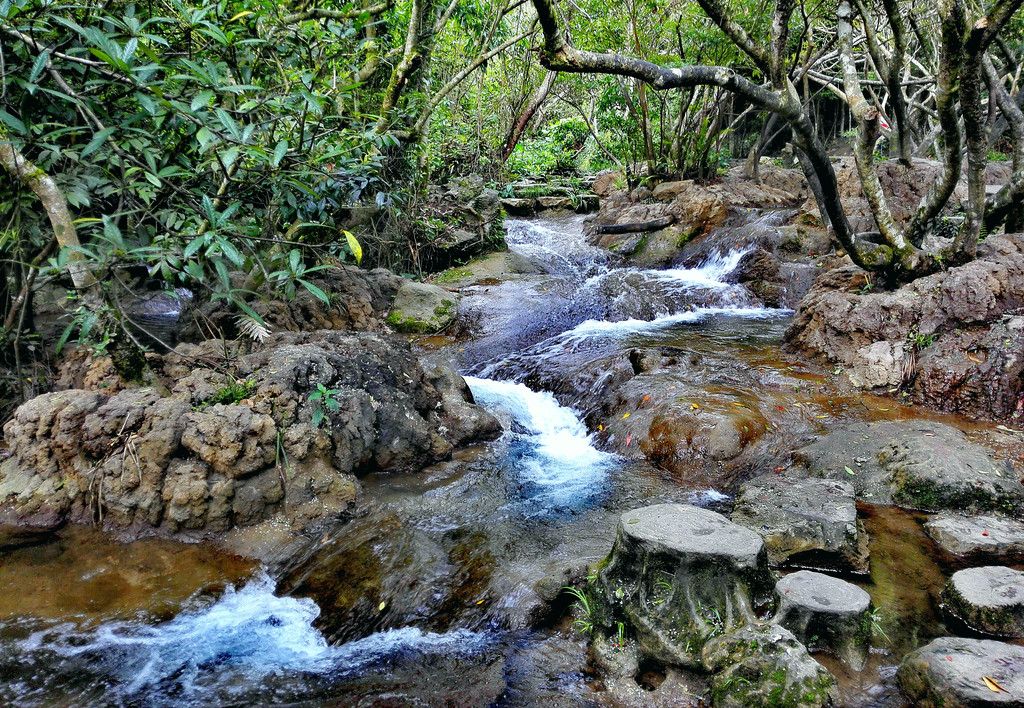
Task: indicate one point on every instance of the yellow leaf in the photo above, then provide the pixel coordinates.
(240, 15)
(694, 407)
(353, 244)
(625, 416)
(992, 685)
(600, 427)
(381, 606)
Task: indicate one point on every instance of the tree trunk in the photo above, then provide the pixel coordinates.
(519, 127)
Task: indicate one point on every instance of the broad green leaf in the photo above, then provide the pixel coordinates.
(279, 152)
(97, 141)
(201, 100)
(39, 65)
(13, 123)
(317, 292)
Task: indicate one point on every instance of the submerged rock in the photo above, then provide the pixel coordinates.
(766, 666)
(826, 613)
(988, 599)
(950, 672)
(677, 576)
(281, 437)
(916, 464)
(988, 534)
(421, 308)
(805, 522)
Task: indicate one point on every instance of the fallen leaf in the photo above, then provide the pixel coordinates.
(480, 602)
(821, 416)
(976, 361)
(781, 408)
(600, 427)
(883, 409)
(625, 416)
(849, 471)
(949, 658)
(646, 398)
(778, 469)
(629, 439)
(694, 407)
(985, 532)
(633, 521)
(992, 685)
(381, 606)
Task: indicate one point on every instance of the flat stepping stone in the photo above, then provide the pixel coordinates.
(826, 613)
(677, 575)
(988, 599)
(766, 666)
(951, 671)
(968, 535)
(915, 464)
(805, 523)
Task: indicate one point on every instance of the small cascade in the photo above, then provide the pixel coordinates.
(556, 463)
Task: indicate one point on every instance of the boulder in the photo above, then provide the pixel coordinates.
(677, 576)
(988, 599)
(202, 452)
(519, 207)
(952, 340)
(421, 308)
(554, 203)
(587, 203)
(968, 535)
(826, 613)
(766, 666)
(916, 464)
(950, 672)
(805, 522)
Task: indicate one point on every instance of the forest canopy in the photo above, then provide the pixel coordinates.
(229, 146)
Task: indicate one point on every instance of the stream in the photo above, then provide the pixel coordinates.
(430, 595)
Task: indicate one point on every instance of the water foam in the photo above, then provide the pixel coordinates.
(559, 467)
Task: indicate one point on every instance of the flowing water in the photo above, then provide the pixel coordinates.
(437, 592)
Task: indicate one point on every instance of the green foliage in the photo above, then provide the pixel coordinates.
(554, 151)
(233, 392)
(584, 621)
(324, 403)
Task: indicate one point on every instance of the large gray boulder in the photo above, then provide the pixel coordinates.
(677, 576)
(916, 464)
(421, 308)
(766, 666)
(805, 522)
(950, 673)
(988, 534)
(826, 613)
(988, 599)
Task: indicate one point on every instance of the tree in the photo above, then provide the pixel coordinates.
(779, 60)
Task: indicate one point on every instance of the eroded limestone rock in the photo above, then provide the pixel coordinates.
(988, 599)
(967, 535)
(809, 523)
(949, 671)
(677, 576)
(421, 308)
(826, 613)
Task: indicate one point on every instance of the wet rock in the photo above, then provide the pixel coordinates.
(953, 340)
(554, 203)
(826, 613)
(607, 182)
(519, 207)
(988, 599)
(359, 300)
(421, 308)
(805, 522)
(12, 537)
(678, 575)
(587, 203)
(208, 452)
(989, 534)
(917, 464)
(949, 673)
(766, 665)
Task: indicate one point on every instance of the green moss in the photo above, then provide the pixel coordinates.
(453, 275)
(932, 496)
(445, 309)
(408, 325)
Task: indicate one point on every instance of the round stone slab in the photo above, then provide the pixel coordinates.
(951, 671)
(825, 613)
(989, 599)
(988, 534)
(690, 531)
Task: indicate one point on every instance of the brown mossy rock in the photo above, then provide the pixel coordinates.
(677, 576)
(219, 451)
(766, 666)
(952, 340)
(359, 301)
(947, 673)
